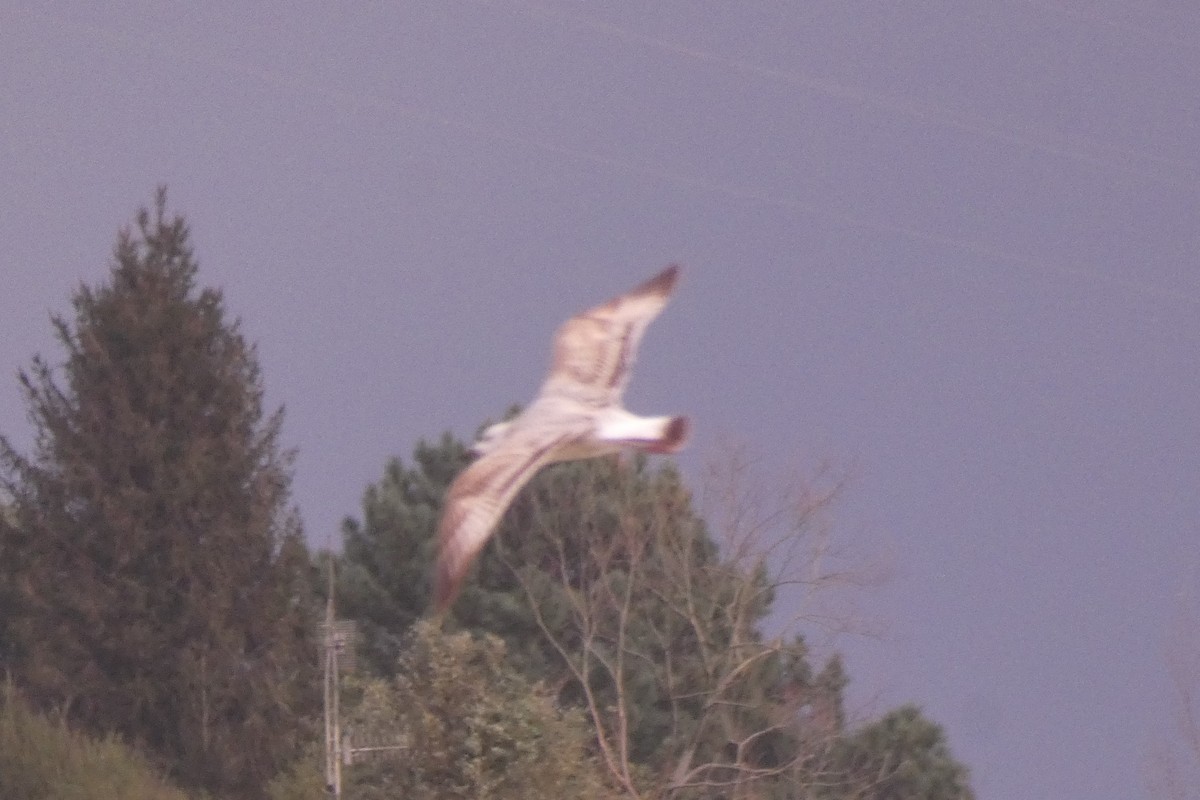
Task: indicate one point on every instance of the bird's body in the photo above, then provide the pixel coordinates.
(577, 414)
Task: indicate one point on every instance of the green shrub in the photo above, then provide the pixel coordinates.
(303, 780)
(42, 759)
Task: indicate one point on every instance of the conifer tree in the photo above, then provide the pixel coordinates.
(902, 756)
(151, 556)
(587, 583)
(608, 588)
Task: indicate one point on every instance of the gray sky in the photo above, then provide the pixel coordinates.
(951, 246)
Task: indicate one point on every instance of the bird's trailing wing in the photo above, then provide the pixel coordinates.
(478, 498)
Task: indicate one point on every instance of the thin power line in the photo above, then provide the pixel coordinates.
(1096, 154)
(1140, 31)
(358, 100)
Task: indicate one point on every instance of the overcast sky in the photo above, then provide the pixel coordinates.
(952, 247)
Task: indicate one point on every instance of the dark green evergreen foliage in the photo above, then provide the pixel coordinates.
(641, 606)
(384, 580)
(470, 725)
(902, 756)
(607, 588)
(154, 567)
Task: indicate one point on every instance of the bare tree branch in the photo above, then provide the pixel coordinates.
(657, 605)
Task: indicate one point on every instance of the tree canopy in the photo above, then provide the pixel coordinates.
(612, 641)
(152, 561)
(468, 725)
(608, 588)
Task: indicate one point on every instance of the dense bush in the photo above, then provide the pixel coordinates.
(42, 759)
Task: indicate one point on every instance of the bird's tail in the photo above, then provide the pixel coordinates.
(674, 436)
(651, 434)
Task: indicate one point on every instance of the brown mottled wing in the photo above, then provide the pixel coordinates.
(476, 501)
(593, 351)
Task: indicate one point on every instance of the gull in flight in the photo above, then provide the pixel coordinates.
(577, 414)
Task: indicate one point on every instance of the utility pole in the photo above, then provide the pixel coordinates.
(333, 722)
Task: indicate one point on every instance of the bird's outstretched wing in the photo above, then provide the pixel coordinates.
(478, 498)
(593, 351)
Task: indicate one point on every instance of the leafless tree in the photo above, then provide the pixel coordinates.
(664, 606)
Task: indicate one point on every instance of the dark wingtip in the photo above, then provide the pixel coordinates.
(662, 283)
(676, 434)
